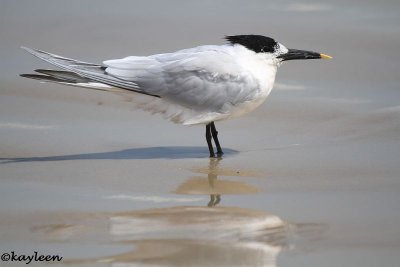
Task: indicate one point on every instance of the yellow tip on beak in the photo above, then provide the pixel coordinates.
(323, 56)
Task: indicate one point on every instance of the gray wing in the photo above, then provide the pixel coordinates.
(203, 78)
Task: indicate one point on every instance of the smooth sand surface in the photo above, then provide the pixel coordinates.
(311, 178)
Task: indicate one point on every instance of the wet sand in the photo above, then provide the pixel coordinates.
(311, 178)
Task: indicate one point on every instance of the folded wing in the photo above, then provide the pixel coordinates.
(202, 78)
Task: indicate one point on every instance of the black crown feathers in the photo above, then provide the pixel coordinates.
(256, 43)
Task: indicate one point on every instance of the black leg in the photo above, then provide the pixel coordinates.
(208, 138)
(214, 134)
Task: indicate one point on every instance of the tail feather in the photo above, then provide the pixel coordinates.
(77, 82)
(43, 78)
(78, 73)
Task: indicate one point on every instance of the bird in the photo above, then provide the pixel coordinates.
(199, 85)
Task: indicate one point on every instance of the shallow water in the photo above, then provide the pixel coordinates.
(311, 178)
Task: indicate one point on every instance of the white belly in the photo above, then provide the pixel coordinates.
(246, 107)
(228, 111)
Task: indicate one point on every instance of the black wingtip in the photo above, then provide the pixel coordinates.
(40, 77)
(25, 75)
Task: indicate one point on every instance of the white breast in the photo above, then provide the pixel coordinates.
(263, 68)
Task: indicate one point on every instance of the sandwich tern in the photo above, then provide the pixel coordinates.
(198, 85)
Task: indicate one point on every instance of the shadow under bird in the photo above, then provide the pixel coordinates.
(198, 85)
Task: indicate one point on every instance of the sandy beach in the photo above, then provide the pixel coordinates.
(310, 178)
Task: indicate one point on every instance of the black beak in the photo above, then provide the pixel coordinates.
(301, 54)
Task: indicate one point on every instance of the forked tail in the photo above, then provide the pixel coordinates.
(80, 74)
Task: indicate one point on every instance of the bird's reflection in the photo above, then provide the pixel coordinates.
(182, 235)
(215, 199)
(210, 184)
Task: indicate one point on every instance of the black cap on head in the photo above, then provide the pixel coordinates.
(256, 43)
